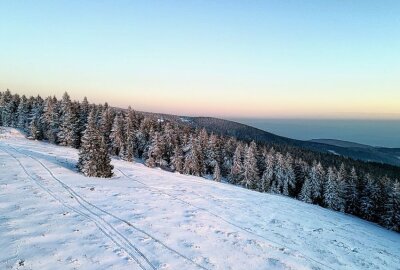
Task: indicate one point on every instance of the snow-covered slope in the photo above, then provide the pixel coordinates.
(51, 217)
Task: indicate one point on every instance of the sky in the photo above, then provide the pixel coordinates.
(288, 59)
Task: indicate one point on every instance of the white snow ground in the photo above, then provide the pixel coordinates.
(51, 217)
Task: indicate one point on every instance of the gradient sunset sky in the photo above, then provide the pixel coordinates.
(333, 59)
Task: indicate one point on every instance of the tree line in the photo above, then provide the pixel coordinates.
(100, 131)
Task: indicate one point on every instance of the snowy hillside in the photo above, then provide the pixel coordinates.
(51, 217)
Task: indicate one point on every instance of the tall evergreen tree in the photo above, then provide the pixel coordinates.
(50, 119)
(130, 135)
(94, 160)
(106, 123)
(289, 180)
(35, 125)
(117, 136)
(156, 151)
(369, 199)
(391, 218)
(23, 114)
(331, 190)
(306, 191)
(352, 194)
(217, 173)
(177, 159)
(9, 105)
(341, 188)
(236, 173)
(268, 174)
(68, 134)
(279, 174)
(315, 178)
(250, 170)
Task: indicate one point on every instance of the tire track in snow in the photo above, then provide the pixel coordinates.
(102, 227)
(80, 198)
(229, 222)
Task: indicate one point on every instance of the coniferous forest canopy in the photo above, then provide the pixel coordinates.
(367, 190)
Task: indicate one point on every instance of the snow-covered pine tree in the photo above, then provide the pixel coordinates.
(13, 107)
(203, 139)
(217, 173)
(352, 194)
(197, 161)
(212, 153)
(156, 151)
(169, 139)
(194, 163)
(35, 125)
(106, 123)
(369, 199)
(301, 169)
(289, 177)
(391, 217)
(315, 177)
(306, 191)
(50, 119)
(279, 179)
(84, 109)
(23, 114)
(130, 141)
(236, 173)
(65, 111)
(341, 188)
(228, 147)
(9, 105)
(69, 123)
(84, 112)
(268, 174)
(331, 190)
(117, 136)
(103, 160)
(177, 159)
(250, 170)
(143, 136)
(94, 160)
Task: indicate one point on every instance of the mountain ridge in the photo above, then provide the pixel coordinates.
(382, 155)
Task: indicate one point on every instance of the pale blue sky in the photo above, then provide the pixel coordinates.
(222, 58)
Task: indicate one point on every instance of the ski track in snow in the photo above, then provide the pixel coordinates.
(53, 217)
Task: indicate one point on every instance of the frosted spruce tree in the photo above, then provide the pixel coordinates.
(7, 108)
(391, 218)
(217, 173)
(236, 173)
(50, 119)
(341, 188)
(352, 194)
(289, 180)
(306, 191)
(369, 198)
(279, 167)
(117, 136)
(35, 125)
(106, 122)
(23, 114)
(94, 160)
(69, 123)
(130, 141)
(315, 177)
(268, 174)
(177, 159)
(156, 151)
(250, 170)
(330, 190)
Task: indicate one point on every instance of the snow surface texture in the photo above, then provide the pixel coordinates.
(51, 217)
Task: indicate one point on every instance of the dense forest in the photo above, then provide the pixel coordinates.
(100, 131)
